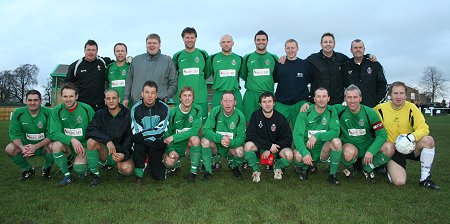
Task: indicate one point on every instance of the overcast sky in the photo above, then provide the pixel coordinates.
(406, 36)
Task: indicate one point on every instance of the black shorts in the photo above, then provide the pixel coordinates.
(400, 159)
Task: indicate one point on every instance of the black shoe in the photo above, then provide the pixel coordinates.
(46, 173)
(193, 177)
(206, 176)
(107, 167)
(139, 181)
(95, 181)
(349, 172)
(428, 183)
(82, 176)
(244, 165)
(27, 174)
(370, 176)
(333, 179)
(216, 167)
(381, 170)
(202, 169)
(236, 172)
(303, 173)
(269, 168)
(313, 169)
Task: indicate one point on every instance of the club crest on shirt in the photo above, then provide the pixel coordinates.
(79, 119)
(190, 119)
(260, 125)
(197, 60)
(232, 125)
(124, 72)
(233, 62)
(273, 127)
(324, 121)
(40, 124)
(350, 72)
(267, 62)
(361, 122)
(369, 70)
(98, 67)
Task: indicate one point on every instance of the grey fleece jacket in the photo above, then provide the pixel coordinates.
(158, 68)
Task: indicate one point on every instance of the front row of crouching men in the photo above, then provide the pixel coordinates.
(72, 135)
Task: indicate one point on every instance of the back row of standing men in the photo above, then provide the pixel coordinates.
(260, 70)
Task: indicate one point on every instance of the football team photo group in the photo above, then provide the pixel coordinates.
(328, 112)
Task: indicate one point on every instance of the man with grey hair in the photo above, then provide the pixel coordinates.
(362, 135)
(367, 75)
(154, 66)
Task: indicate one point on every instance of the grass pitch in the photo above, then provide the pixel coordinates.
(225, 199)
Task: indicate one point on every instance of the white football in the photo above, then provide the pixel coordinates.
(403, 145)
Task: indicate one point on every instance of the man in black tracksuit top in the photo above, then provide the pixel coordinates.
(90, 76)
(149, 120)
(268, 132)
(109, 134)
(327, 69)
(367, 75)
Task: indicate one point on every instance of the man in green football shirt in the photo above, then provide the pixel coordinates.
(182, 134)
(225, 67)
(28, 132)
(362, 135)
(117, 71)
(190, 64)
(224, 132)
(257, 71)
(67, 130)
(316, 137)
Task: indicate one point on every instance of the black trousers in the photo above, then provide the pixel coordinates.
(155, 151)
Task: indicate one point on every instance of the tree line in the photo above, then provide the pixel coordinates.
(14, 84)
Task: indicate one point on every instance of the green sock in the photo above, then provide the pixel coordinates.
(139, 172)
(348, 164)
(48, 162)
(61, 162)
(80, 168)
(335, 158)
(20, 161)
(195, 158)
(281, 163)
(110, 161)
(207, 159)
(237, 162)
(92, 160)
(380, 159)
(251, 159)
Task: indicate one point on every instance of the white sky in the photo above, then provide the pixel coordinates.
(406, 36)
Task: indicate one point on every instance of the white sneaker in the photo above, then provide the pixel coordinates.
(256, 176)
(278, 174)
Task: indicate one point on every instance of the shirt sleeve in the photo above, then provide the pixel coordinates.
(299, 134)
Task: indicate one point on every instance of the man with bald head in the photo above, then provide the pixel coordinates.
(225, 67)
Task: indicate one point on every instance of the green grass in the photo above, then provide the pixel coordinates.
(226, 200)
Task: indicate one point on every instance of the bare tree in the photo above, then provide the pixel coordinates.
(7, 86)
(25, 76)
(47, 97)
(433, 82)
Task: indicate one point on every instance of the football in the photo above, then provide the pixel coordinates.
(404, 145)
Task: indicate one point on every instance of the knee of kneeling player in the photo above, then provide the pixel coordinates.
(91, 144)
(194, 141)
(126, 168)
(336, 144)
(205, 143)
(427, 141)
